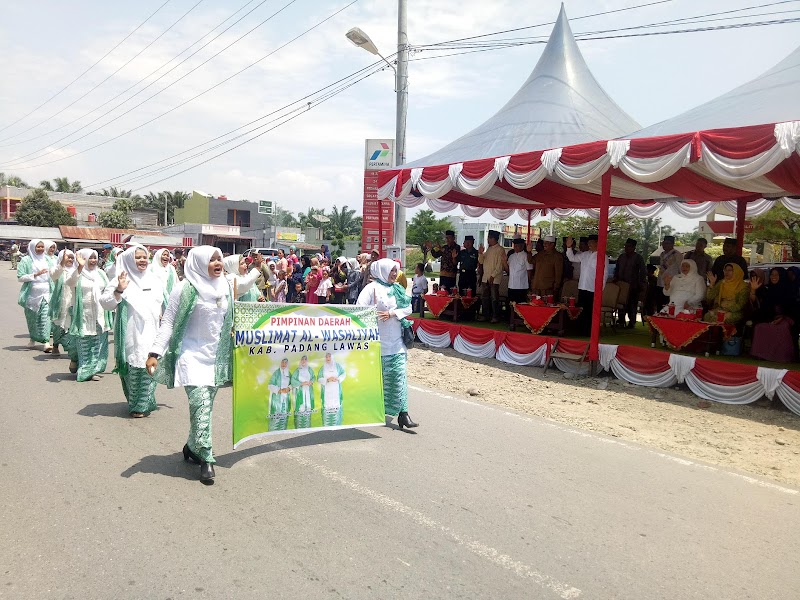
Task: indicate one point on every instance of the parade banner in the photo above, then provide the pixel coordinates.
(305, 367)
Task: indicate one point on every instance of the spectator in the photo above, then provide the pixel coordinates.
(494, 262)
(688, 289)
(419, 287)
(669, 264)
(729, 294)
(703, 261)
(729, 255)
(775, 334)
(586, 290)
(519, 272)
(631, 270)
(548, 268)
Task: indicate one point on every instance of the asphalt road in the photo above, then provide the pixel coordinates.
(479, 503)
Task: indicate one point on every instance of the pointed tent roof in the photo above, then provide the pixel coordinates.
(560, 104)
(769, 98)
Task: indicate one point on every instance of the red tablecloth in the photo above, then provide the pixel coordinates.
(437, 304)
(679, 333)
(536, 318)
(467, 302)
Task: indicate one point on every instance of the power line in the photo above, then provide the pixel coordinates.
(294, 39)
(274, 112)
(150, 84)
(129, 61)
(59, 92)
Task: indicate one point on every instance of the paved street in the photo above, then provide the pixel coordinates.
(479, 503)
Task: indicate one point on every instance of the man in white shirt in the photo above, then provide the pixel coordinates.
(519, 271)
(588, 263)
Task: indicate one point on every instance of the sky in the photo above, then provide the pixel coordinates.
(316, 159)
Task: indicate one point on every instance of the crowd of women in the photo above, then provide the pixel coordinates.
(176, 330)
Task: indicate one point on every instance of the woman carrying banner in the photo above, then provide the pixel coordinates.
(33, 273)
(194, 348)
(236, 269)
(163, 269)
(280, 388)
(138, 296)
(393, 307)
(303, 385)
(330, 377)
(61, 307)
(90, 323)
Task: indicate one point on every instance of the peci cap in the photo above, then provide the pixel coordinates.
(630, 241)
(550, 238)
(730, 241)
(494, 234)
(469, 238)
(583, 239)
(669, 238)
(450, 232)
(592, 238)
(518, 241)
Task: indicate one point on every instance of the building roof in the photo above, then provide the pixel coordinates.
(99, 234)
(158, 240)
(22, 232)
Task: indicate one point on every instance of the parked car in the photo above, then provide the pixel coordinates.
(268, 253)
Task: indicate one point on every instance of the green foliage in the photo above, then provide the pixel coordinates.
(173, 200)
(115, 219)
(412, 258)
(426, 227)
(61, 184)
(12, 180)
(284, 218)
(37, 210)
(342, 223)
(779, 225)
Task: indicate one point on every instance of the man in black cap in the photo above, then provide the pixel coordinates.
(520, 268)
(729, 255)
(448, 256)
(631, 270)
(586, 291)
(669, 264)
(494, 263)
(468, 266)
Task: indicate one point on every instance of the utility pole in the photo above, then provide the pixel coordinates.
(402, 114)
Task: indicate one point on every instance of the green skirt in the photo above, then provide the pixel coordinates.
(92, 355)
(39, 323)
(140, 390)
(395, 383)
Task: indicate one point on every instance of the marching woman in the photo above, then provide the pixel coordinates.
(50, 249)
(303, 386)
(34, 297)
(90, 323)
(393, 307)
(110, 267)
(163, 269)
(330, 377)
(61, 301)
(137, 296)
(193, 348)
(236, 269)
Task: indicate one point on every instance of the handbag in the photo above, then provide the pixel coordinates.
(408, 337)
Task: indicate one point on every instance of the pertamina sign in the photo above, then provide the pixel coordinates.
(378, 155)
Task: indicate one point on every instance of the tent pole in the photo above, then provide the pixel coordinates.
(741, 214)
(529, 227)
(602, 234)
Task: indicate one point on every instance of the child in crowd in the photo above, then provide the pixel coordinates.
(419, 287)
(325, 286)
(435, 288)
(299, 293)
(279, 290)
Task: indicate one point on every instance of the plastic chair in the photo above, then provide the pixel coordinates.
(610, 299)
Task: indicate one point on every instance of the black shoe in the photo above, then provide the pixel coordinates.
(403, 420)
(189, 455)
(206, 472)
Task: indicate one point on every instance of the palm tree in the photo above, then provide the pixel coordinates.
(284, 218)
(62, 184)
(307, 219)
(12, 180)
(343, 222)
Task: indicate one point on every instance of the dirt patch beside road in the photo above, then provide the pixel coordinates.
(753, 438)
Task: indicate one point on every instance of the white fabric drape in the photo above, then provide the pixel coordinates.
(462, 346)
(770, 379)
(532, 359)
(681, 365)
(595, 212)
(727, 394)
(650, 170)
(501, 213)
(441, 340)
(789, 397)
(473, 211)
(411, 201)
(441, 205)
(646, 212)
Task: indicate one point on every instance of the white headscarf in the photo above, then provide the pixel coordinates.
(88, 272)
(210, 289)
(48, 244)
(39, 260)
(126, 261)
(157, 268)
(381, 269)
(342, 259)
(231, 263)
(67, 270)
(353, 262)
(329, 368)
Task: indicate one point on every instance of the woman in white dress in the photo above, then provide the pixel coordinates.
(33, 273)
(61, 306)
(137, 295)
(163, 269)
(687, 290)
(193, 348)
(393, 307)
(90, 322)
(236, 269)
(331, 375)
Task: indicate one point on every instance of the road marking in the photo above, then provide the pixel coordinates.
(563, 590)
(586, 434)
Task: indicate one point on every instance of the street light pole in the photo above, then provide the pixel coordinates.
(401, 117)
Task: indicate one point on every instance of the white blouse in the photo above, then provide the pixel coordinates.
(144, 314)
(195, 365)
(93, 315)
(391, 331)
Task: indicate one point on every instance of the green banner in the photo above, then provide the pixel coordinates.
(302, 367)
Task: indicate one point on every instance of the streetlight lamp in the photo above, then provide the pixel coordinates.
(362, 40)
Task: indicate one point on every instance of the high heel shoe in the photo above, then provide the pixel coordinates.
(189, 455)
(403, 420)
(206, 472)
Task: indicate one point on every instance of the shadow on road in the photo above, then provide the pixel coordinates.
(21, 336)
(21, 348)
(170, 465)
(46, 357)
(110, 409)
(59, 377)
